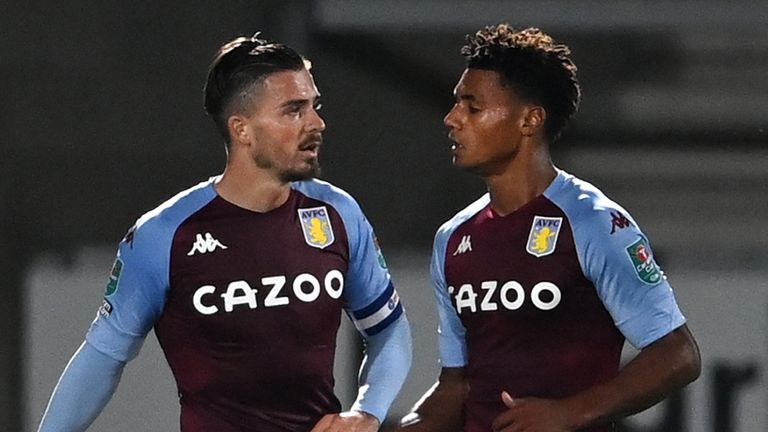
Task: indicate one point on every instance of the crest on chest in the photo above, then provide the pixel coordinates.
(316, 226)
(542, 239)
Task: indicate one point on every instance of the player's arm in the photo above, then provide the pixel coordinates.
(374, 307)
(83, 391)
(384, 368)
(659, 369)
(134, 298)
(382, 374)
(441, 407)
(636, 293)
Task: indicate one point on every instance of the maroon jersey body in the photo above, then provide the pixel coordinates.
(538, 302)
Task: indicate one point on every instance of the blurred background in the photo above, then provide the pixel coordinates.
(101, 119)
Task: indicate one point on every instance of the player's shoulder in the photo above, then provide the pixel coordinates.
(583, 202)
(326, 192)
(165, 218)
(463, 215)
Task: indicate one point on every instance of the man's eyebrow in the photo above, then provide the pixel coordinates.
(296, 103)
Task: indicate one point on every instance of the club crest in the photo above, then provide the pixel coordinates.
(543, 236)
(316, 226)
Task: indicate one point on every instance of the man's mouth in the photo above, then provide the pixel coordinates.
(312, 146)
(455, 145)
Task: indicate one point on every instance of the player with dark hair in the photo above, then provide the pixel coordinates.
(244, 277)
(540, 281)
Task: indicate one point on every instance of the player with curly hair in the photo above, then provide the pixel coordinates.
(541, 280)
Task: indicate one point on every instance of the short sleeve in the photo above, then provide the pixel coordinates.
(619, 260)
(451, 332)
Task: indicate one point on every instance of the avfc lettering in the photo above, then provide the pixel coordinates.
(544, 296)
(305, 287)
(316, 226)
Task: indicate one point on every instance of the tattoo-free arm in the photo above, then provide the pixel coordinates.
(659, 369)
(440, 409)
(85, 387)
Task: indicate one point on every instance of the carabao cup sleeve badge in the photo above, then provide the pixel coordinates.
(642, 260)
(316, 226)
(114, 277)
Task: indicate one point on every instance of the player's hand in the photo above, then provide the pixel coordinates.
(532, 415)
(350, 421)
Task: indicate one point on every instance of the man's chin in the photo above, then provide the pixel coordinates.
(310, 172)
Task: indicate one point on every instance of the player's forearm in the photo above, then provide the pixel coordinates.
(661, 368)
(440, 409)
(83, 390)
(387, 362)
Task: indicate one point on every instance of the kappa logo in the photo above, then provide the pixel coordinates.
(619, 221)
(464, 246)
(316, 226)
(205, 244)
(543, 236)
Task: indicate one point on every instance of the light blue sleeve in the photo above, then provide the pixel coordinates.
(140, 277)
(371, 302)
(450, 332)
(384, 369)
(83, 390)
(617, 257)
(136, 290)
(370, 297)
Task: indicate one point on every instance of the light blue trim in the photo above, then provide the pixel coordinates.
(643, 313)
(384, 369)
(452, 342)
(83, 390)
(366, 279)
(144, 280)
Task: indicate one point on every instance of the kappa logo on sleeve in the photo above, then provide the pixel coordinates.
(129, 236)
(114, 277)
(644, 264)
(619, 221)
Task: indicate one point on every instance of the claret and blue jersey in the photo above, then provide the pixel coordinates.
(539, 302)
(246, 305)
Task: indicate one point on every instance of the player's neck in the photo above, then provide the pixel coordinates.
(525, 178)
(252, 189)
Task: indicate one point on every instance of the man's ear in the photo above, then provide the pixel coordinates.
(533, 120)
(239, 131)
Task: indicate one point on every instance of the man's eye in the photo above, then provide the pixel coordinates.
(318, 106)
(473, 110)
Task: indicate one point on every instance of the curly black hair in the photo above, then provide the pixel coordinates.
(239, 65)
(533, 66)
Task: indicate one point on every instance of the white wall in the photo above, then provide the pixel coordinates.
(727, 311)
